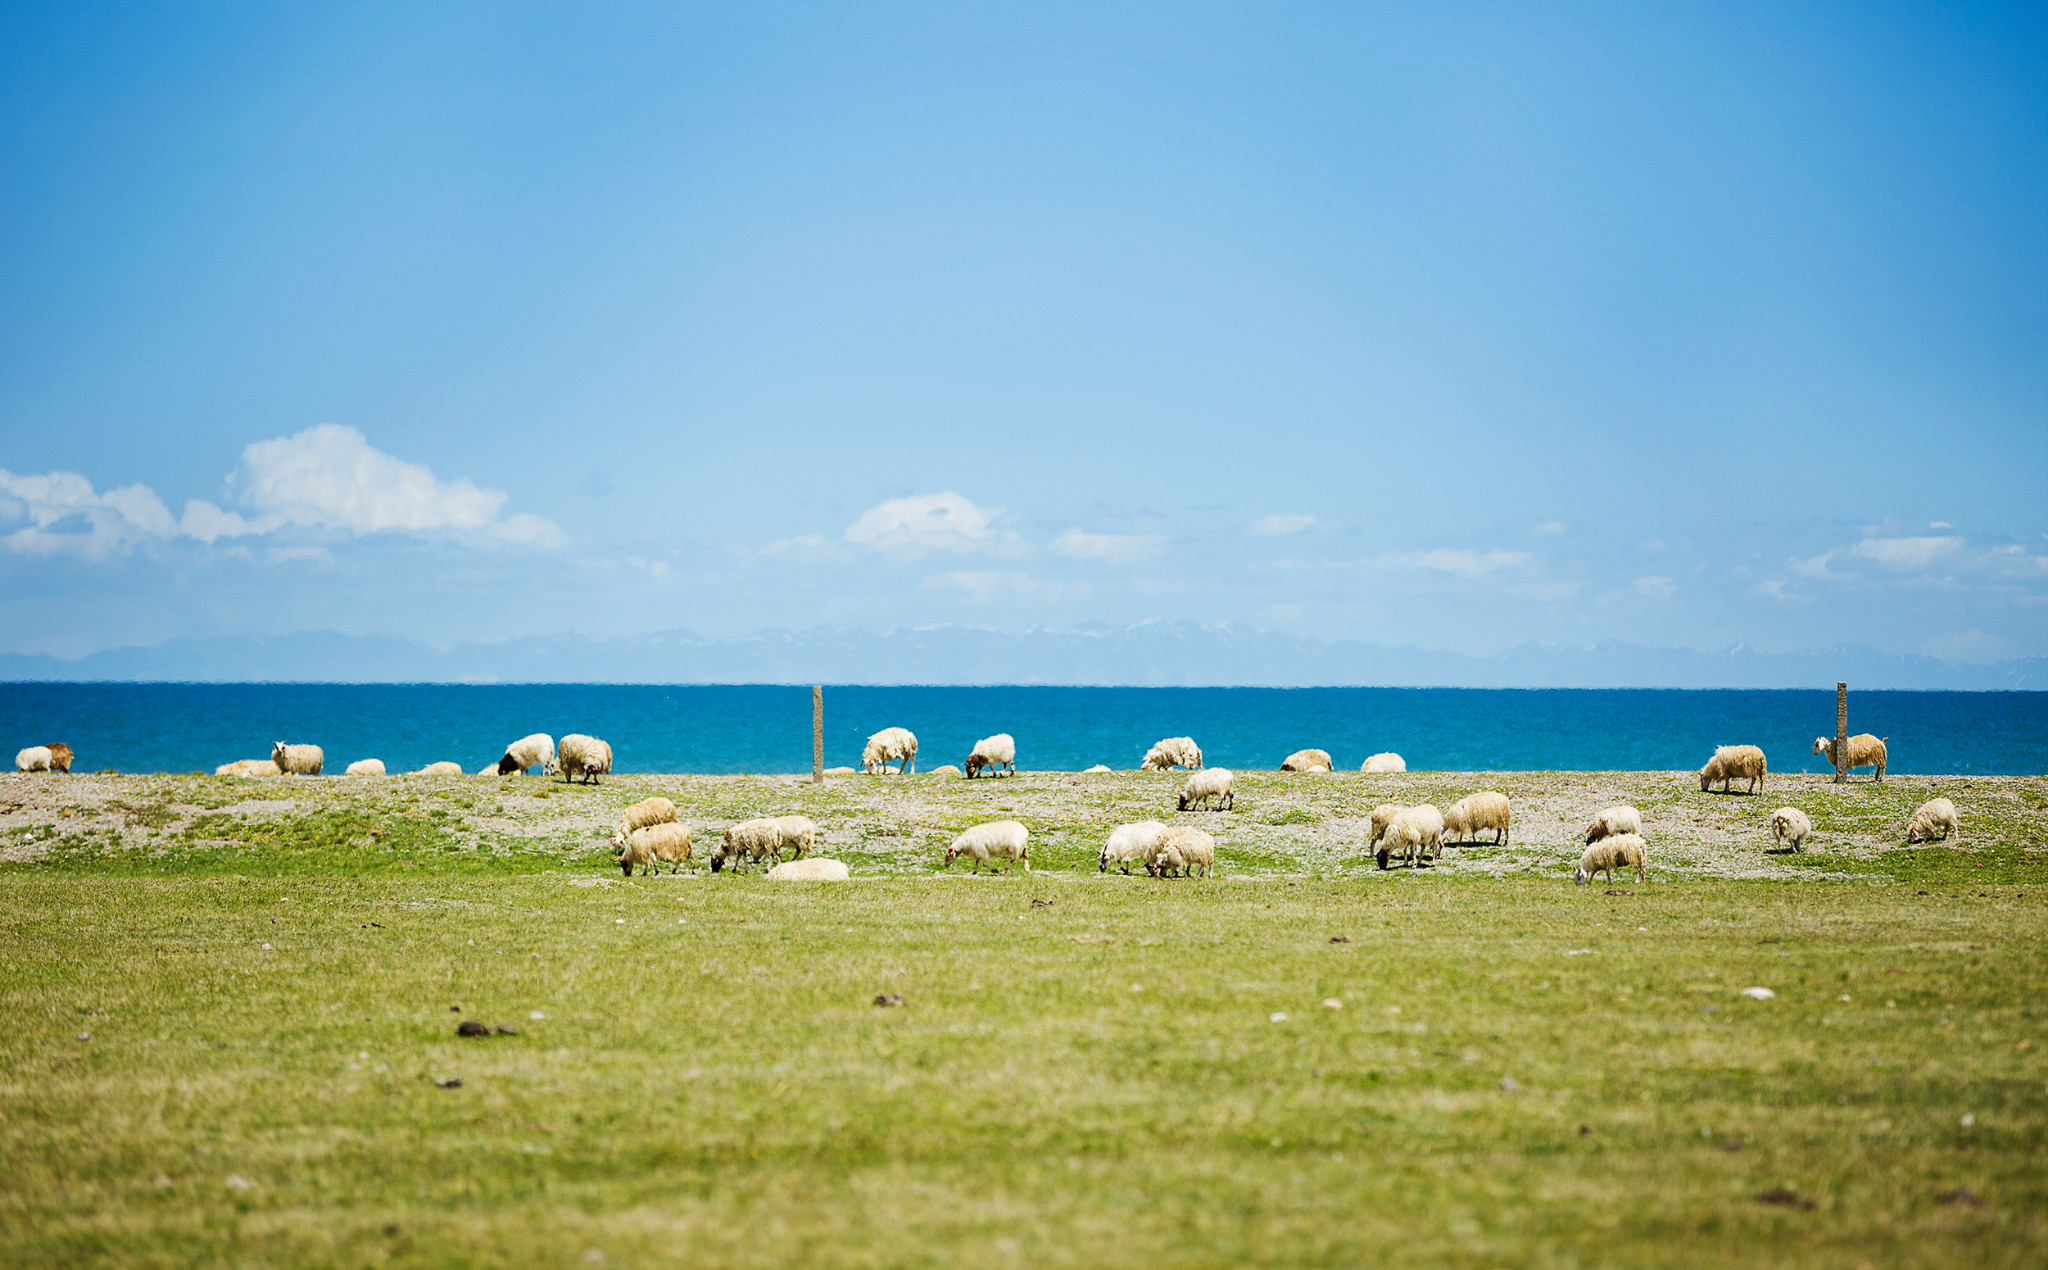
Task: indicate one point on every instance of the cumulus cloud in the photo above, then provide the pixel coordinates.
(923, 523)
(67, 517)
(1278, 525)
(1907, 554)
(1109, 548)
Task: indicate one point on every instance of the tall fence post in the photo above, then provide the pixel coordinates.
(1841, 732)
(817, 734)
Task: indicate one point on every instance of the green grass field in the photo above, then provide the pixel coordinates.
(229, 1013)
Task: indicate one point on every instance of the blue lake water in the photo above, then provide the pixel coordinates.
(764, 728)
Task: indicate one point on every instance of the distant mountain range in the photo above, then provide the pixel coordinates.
(1146, 654)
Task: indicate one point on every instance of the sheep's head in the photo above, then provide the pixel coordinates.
(277, 749)
(1581, 875)
(1706, 777)
(1102, 861)
(1821, 745)
(952, 854)
(1187, 800)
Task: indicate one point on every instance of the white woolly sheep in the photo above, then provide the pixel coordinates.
(842, 771)
(1308, 761)
(1617, 819)
(1865, 750)
(799, 835)
(1734, 763)
(890, 745)
(1474, 814)
(1932, 821)
(748, 840)
(1416, 832)
(992, 752)
(1004, 840)
(648, 811)
(944, 769)
(636, 852)
(247, 767)
(1174, 751)
(1609, 854)
(1210, 783)
(1128, 844)
(526, 753)
(1385, 762)
(666, 841)
(815, 869)
(583, 758)
(1382, 816)
(488, 769)
(36, 758)
(1100, 769)
(60, 756)
(297, 760)
(365, 767)
(1790, 826)
(442, 768)
(1181, 851)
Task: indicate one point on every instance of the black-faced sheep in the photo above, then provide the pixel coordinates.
(527, 753)
(890, 745)
(1382, 816)
(1865, 750)
(1609, 854)
(1174, 751)
(1416, 832)
(1475, 814)
(1211, 783)
(1734, 763)
(1308, 761)
(1933, 821)
(1615, 820)
(992, 752)
(1790, 827)
(584, 758)
(297, 760)
(1005, 840)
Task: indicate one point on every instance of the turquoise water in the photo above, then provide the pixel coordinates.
(757, 728)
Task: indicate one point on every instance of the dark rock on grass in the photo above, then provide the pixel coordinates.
(889, 998)
(1960, 1195)
(1340, 939)
(1784, 1198)
(453, 1082)
(470, 1027)
(1041, 903)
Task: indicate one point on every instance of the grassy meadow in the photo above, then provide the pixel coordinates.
(228, 1030)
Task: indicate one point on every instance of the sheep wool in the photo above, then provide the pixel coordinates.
(442, 768)
(1174, 751)
(1416, 833)
(1100, 769)
(36, 758)
(1382, 816)
(1211, 783)
(1475, 814)
(1865, 750)
(992, 752)
(1386, 762)
(815, 869)
(1308, 761)
(796, 834)
(1734, 763)
(60, 756)
(748, 840)
(890, 745)
(247, 767)
(526, 753)
(1609, 854)
(666, 842)
(648, 811)
(1128, 844)
(1005, 840)
(583, 758)
(297, 760)
(366, 767)
(1181, 851)
(636, 853)
(1790, 827)
(1933, 821)
(1615, 820)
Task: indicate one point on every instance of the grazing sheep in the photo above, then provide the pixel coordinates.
(1382, 816)
(1209, 783)
(1865, 750)
(748, 840)
(648, 811)
(842, 771)
(815, 869)
(1100, 769)
(636, 852)
(1174, 751)
(1609, 854)
(488, 769)
(666, 841)
(36, 758)
(1128, 844)
(1416, 831)
(1734, 763)
(890, 745)
(1474, 814)
(1181, 851)
(992, 752)
(442, 768)
(247, 767)
(1308, 761)
(365, 767)
(1004, 840)
(1932, 821)
(581, 757)
(944, 769)
(60, 756)
(799, 835)
(526, 753)
(1386, 762)
(1790, 826)
(1618, 819)
(297, 760)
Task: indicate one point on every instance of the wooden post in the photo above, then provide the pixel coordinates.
(1841, 733)
(817, 734)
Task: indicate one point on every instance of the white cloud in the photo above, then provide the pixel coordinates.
(1469, 564)
(1939, 524)
(67, 517)
(925, 522)
(329, 477)
(1278, 525)
(1655, 587)
(989, 585)
(1549, 529)
(1109, 548)
(1907, 554)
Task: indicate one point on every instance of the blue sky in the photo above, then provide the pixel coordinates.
(1456, 326)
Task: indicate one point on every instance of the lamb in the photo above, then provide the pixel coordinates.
(748, 840)
(648, 811)
(1129, 843)
(297, 760)
(815, 869)
(1790, 826)
(1385, 762)
(366, 767)
(1308, 761)
(247, 767)
(1418, 831)
(992, 752)
(36, 758)
(1865, 750)
(798, 833)
(1174, 751)
(60, 756)
(1474, 814)
(636, 852)
(581, 757)
(1734, 763)
(442, 768)
(1180, 851)
(1609, 854)
(1618, 819)
(1004, 840)
(1382, 816)
(890, 745)
(1209, 783)
(537, 750)
(1932, 821)
(665, 842)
